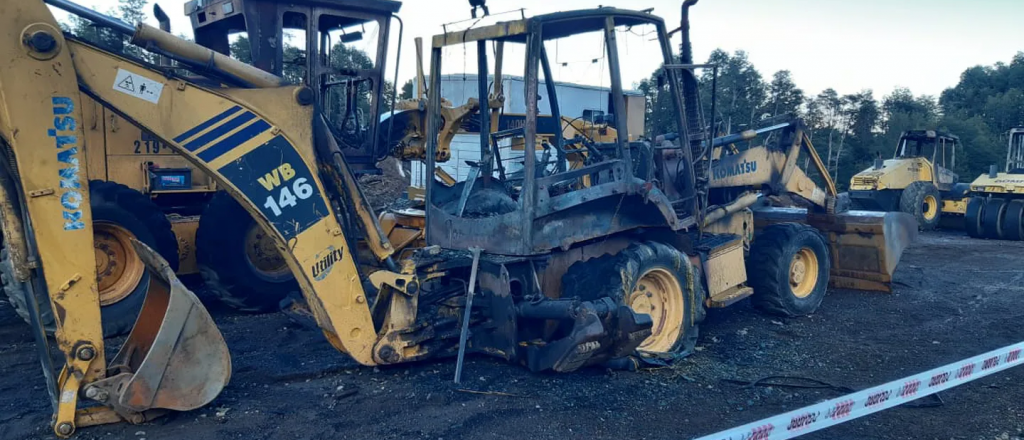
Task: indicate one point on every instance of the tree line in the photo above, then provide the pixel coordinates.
(850, 131)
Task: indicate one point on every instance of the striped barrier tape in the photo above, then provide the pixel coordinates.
(851, 406)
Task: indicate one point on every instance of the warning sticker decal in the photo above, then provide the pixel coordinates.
(138, 86)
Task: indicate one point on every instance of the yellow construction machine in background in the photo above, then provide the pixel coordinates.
(918, 180)
(996, 207)
(608, 263)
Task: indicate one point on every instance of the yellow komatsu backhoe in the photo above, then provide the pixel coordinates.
(606, 263)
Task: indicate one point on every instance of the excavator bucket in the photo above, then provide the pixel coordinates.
(175, 357)
(865, 246)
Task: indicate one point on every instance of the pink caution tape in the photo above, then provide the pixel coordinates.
(833, 412)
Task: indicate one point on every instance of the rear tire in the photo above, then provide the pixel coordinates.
(992, 218)
(972, 218)
(116, 209)
(238, 261)
(922, 200)
(650, 278)
(789, 268)
(1013, 221)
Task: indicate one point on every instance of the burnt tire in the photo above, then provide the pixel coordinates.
(15, 292)
(131, 210)
(992, 218)
(620, 278)
(972, 218)
(774, 256)
(227, 264)
(922, 200)
(1013, 221)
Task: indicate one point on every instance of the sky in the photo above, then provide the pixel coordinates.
(848, 45)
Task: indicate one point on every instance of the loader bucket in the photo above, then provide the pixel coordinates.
(865, 246)
(175, 357)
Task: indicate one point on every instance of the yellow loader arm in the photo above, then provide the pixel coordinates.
(865, 246)
(775, 169)
(258, 143)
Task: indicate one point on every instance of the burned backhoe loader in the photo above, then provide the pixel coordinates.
(601, 264)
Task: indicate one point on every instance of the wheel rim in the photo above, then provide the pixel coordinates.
(803, 272)
(262, 255)
(930, 207)
(118, 267)
(659, 294)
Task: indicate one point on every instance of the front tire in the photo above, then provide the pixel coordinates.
(992, 218)
(238, 261)
(922, 200)
(1013, 221)
(789, 268)
(650, 278)
(972, 218)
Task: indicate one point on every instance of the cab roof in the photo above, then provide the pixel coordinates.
(551, 26)
(929, 135)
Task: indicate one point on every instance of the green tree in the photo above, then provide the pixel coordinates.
(342, 58)
(783, 95)
(859, 144)
(986, 103)
(406, 90)
(293, 66)
(741, 91)
(131, 11)
(659, 113)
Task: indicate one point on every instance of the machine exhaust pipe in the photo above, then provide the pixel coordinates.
(162, 18)
(689, 79)
(686, 48)
(165, 25)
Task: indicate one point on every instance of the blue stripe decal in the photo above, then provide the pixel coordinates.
(207, 124)
(243, 135)
(219, 131)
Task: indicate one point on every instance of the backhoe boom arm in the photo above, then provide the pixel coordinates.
(258, 144)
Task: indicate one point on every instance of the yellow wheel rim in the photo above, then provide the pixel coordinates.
(930, 208)
(118, 267)
(659, 294)
(803, 272)
(262, 254)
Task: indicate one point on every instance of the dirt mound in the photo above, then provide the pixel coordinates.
(385, 189)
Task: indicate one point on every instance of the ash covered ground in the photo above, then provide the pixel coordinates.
(954, 298)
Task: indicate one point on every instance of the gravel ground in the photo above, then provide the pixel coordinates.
(954, 297)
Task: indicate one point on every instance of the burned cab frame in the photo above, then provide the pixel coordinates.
(538, 228)
(545, 211)
(349, 95)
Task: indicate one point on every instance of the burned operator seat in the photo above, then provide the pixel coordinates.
(487, 197)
